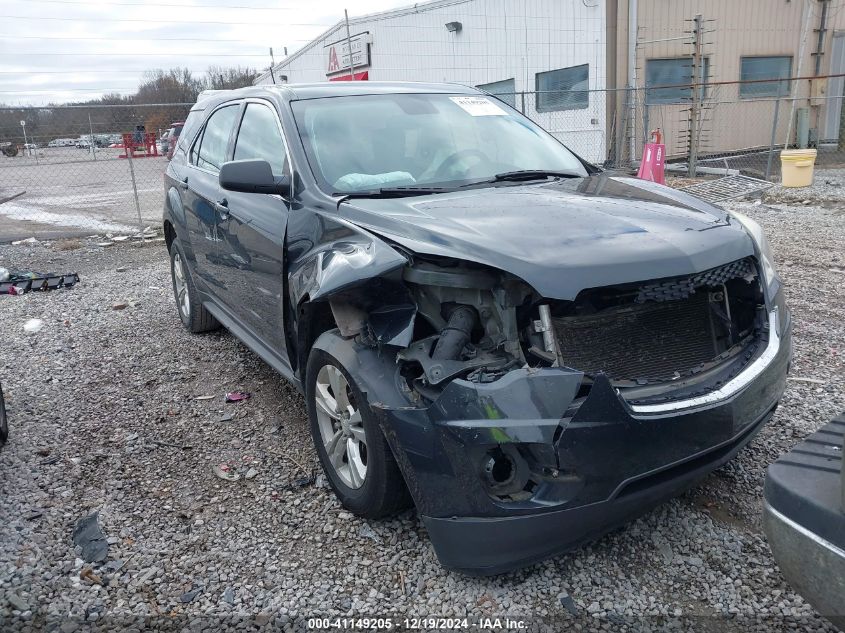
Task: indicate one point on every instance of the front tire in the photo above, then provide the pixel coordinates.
(353, 451)
(192, 313)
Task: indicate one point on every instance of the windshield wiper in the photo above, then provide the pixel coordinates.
(534, 174)
(391, 192)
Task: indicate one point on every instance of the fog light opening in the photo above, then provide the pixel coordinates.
(499, 469)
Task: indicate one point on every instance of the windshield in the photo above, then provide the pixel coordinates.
(364, 143)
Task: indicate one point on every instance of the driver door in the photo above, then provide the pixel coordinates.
(252, 231)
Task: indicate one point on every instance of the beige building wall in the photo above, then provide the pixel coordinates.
(736, 28)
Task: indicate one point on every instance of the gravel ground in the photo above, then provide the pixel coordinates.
(104, 417)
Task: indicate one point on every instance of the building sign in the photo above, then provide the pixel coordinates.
(337, 54)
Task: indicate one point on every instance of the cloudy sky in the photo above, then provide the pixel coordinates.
(64, 50)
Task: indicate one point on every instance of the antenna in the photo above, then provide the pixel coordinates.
(272, 63)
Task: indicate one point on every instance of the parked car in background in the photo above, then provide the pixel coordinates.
(172, 135)
(804, 518)
(531, 350)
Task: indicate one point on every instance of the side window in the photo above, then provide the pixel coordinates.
(757, 68)
(259, 137)
(192, 122)
(673, 72)
(211, 148)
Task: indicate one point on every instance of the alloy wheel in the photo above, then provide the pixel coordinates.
(183, 299)
(341, 426)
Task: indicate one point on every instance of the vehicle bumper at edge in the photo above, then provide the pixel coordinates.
(813, 565)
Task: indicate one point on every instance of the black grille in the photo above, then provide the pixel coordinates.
(683, 287)
(647, 341)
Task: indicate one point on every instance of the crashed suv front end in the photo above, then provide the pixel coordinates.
(529, 418)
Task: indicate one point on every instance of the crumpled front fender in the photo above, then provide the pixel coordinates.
(342, 264)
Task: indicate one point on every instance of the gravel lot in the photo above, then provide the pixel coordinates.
(103, 407)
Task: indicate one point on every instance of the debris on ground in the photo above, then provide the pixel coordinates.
(88, 535)
(88, 574)
(33, 326)
(367, 532)
(120, 305)
(227, 417)
(238, 396)
(568, 603)
(226, 472)
(251, 474)
(814, 381)
(29, 240)
(203, 397)
(302, 482)
(20, 282)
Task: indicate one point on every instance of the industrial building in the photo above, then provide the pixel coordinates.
(568, 65)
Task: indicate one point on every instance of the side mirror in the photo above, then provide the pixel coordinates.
(252, 176)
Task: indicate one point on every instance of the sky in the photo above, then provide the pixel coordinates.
(55, 51)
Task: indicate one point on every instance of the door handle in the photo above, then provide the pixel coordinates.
(183, 184)
(222, 207)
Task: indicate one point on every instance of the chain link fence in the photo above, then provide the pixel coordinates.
(66, 170)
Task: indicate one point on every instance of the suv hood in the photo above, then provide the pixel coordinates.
(563, 236)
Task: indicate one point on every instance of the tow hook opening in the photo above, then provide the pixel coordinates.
(499, 469)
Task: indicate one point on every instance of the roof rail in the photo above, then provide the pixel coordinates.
(205, 94)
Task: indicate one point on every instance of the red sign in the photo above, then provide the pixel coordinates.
(364, 76)
(334, 64)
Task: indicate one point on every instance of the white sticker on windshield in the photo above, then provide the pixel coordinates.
(479, 106)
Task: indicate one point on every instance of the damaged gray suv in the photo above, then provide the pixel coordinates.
(528, 349)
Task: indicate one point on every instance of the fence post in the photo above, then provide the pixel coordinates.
(774, 134)
(91, 137)
(523, 102)
(129, 151)
(696, 96)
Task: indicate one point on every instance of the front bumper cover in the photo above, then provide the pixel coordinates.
(596, 469)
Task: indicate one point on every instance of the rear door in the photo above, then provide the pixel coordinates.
(251, 248)
(201, 191)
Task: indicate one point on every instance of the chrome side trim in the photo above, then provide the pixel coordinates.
(730, 388)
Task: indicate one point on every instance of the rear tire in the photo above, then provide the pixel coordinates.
(353, 451)
(192, 313)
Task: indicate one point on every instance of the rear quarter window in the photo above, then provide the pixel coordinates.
(189, 130)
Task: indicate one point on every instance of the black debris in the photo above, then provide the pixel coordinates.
(88, 535)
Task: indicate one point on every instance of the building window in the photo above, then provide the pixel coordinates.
(504, 90)
(764, 68)
(676, 72)
(563, 89)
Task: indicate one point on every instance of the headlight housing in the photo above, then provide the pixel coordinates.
(764, 252)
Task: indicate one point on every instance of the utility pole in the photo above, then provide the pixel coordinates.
(349, 45)
(695, 107)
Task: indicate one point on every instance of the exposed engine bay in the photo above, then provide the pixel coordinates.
(655, 340)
